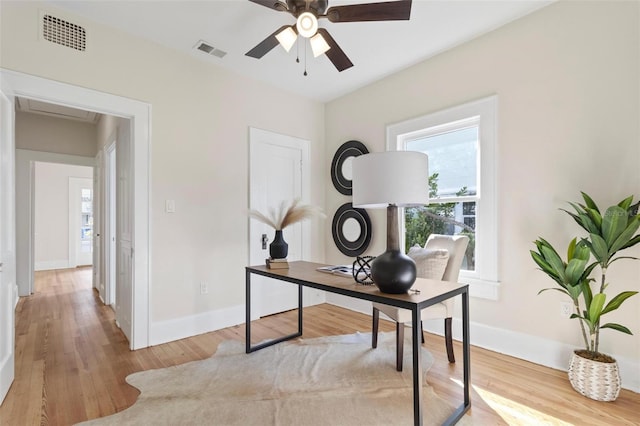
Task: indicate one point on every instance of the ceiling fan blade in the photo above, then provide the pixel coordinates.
(267, 44)
(384, 11)
(335, 54)
(272, 4)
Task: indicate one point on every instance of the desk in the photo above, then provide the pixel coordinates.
(305, 274)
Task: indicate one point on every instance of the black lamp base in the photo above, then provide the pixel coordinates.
(393, 272)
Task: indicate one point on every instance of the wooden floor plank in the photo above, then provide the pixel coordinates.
(72, 361)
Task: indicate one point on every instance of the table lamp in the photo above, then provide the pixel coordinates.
(390, 180)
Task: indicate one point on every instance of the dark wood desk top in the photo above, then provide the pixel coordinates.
(306, 274)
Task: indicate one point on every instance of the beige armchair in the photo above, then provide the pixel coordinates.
(441, 258)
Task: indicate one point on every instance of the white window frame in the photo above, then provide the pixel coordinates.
(484, 280)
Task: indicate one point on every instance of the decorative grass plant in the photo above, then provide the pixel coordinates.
(287, 213)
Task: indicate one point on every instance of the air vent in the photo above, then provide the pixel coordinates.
(207, 48)
(64, 33)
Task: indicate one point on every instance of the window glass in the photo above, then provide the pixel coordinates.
(453, 176)
(453, 158)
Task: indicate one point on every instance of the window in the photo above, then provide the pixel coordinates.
(461, 145)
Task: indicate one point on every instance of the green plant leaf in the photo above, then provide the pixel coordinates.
(626, 203)
(632, 242)
(586, 292)
(595, 308)
(622, 257)
(617, 301)
(571, 248)
(544, 265)
(574, 271)
(589, 202)
(574, 292)
(587, 272)
(614, 223)
(554, 260)
(595, 217)
(561, 290)
(618, 327)
(625, 236)
(599, 248)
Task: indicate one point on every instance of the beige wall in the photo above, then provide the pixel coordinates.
(51, 196)
(567, 80)
(38, 132)
(199, 149)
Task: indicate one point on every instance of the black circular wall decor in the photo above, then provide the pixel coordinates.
(351, 229)
(342, 159)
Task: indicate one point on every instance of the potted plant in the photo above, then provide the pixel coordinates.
(592, 373)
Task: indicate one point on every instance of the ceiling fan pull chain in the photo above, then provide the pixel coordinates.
(298, 50)
(305, 59)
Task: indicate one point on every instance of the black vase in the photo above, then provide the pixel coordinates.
(393, 272)
(278, 249)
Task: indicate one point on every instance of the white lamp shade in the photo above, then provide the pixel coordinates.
(287, 38)
(318, 45)
(400, 178)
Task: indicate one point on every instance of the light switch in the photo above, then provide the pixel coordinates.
(170, 206)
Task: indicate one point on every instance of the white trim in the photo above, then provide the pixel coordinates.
(192, 325)
(484, 281)
(139, 113)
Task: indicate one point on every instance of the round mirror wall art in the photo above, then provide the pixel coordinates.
(341, 165)
(351, 229)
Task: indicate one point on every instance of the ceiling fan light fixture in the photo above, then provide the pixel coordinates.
(287, 38)
(307, 24)
(318, 45)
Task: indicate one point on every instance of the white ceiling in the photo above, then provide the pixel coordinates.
(377, 49)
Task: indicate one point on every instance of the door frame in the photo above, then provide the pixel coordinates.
(139, 115)
(109, 220)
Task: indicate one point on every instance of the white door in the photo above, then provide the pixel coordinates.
(124, 230)
(110, 224)
(80, 222)
(278, 171)
(98, 273)
(7, 243)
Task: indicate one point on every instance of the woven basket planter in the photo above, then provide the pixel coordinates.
(593, 379)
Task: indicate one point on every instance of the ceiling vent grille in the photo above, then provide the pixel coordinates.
(64, 33)
(205, 47)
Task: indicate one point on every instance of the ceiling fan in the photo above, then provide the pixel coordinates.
(307, 13)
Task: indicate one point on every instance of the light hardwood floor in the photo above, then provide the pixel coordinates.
(71, 364)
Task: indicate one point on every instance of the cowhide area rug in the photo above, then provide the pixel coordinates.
(337, 380)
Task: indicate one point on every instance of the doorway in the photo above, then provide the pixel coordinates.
(138, 115)
(62, 215)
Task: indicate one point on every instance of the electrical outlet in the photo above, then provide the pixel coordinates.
(204, 288)
(566, 309)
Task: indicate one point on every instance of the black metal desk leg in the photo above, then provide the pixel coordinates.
(248, 311)
(299, 309)
(466, 348)
(416, 337)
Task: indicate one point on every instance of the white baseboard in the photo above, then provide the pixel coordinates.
(538, 350)
(48, 265)
(192, 325)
